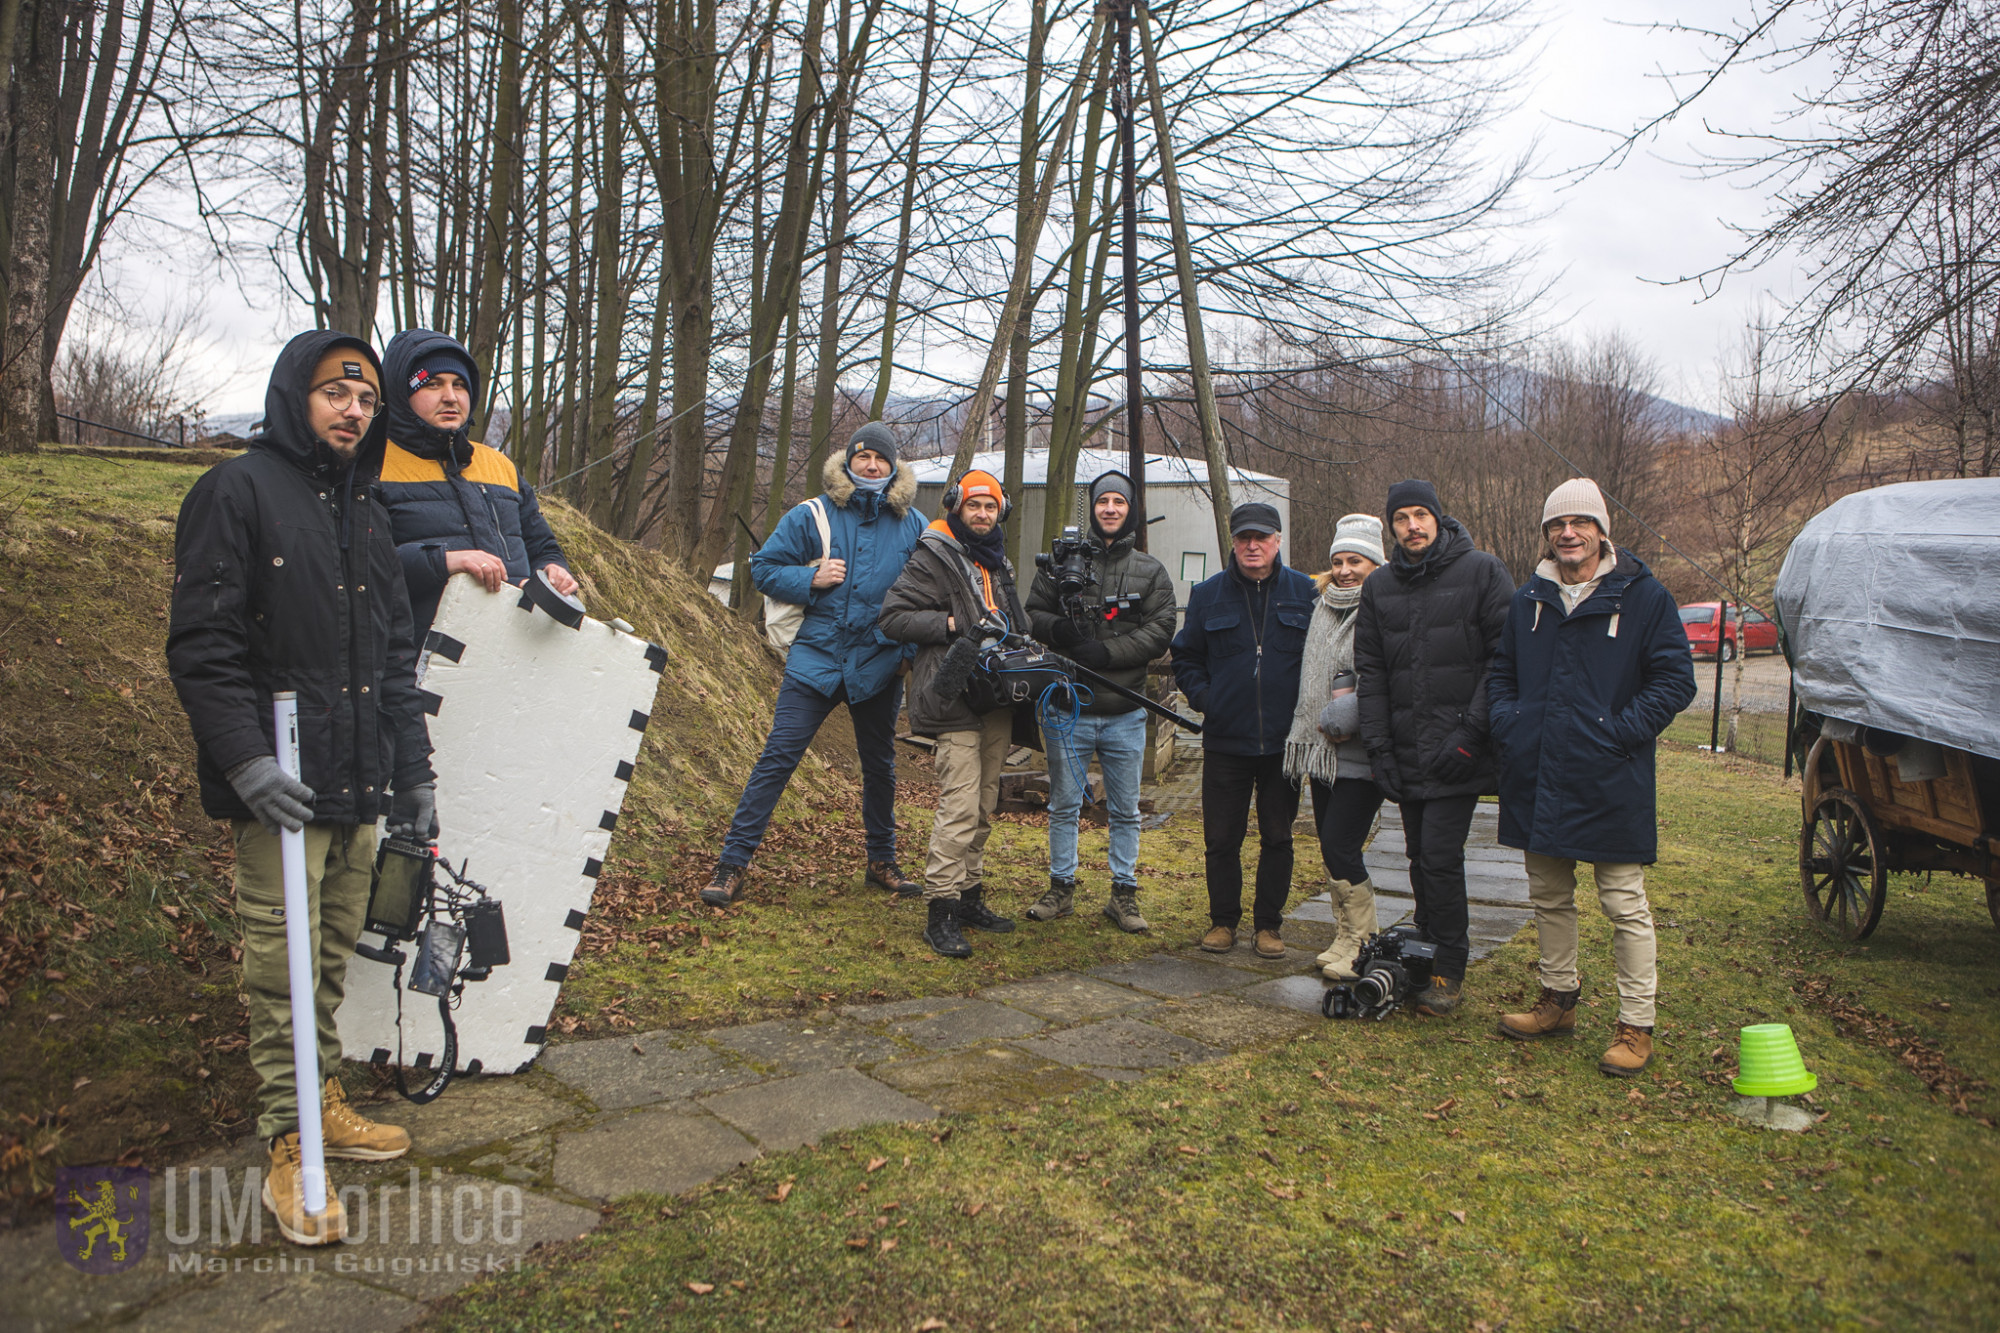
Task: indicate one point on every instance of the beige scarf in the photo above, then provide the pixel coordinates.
(1329, 653)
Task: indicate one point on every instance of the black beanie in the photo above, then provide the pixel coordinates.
(875, 436)
(440, 359)
(1405, 494)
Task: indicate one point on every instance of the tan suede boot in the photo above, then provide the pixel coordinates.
(353, 1135)
(1552, 1015)
(284, 1196)
(1354, 919)
(1631, 1051)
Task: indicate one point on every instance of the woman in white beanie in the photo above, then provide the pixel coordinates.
(1324, 746)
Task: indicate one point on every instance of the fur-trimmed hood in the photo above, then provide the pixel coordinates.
(840, 487)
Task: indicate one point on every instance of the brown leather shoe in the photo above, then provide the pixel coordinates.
(1269, 945)
(1220, 939)
(888, 875)
(1631, 1051)
(1553, 1015)
(725, 886)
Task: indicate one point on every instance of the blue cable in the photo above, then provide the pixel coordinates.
(1059, 724)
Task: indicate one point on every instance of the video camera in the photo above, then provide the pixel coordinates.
(1071, 564)
(1391, 967)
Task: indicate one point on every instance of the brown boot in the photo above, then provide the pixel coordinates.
(284, 1196)
(725, 886)
(352, 1135)
(1269, 945)
(1219, 939)
(1553, 1015)
(888, 875)
(1631, 1051)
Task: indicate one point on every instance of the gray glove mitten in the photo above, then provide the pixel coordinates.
(413, 813)
(276, 799)
(1341, 716)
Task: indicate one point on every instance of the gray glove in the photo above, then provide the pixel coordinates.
(413, 813)
(1341, 716)
(278, 801)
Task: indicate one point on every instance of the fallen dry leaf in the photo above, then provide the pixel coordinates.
(701, 1288)
(931, 1325)
(1445, 1105)
(784, 1191)
(1281, 1192)
(1458, 1213)
(876, 1164)
(857, 1243)
(1190, 1151)
(888, 1244)
(975, 1210)
(1395, 1254)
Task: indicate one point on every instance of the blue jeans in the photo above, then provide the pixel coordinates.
(1119, 742)
(794, 723)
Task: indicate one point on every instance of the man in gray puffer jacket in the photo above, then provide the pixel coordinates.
(1429, 623)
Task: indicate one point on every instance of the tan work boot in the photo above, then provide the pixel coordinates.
(285, 1197)
(1219, 939)
(1354, 916)
(1553, 1015)
(353, 1135)
(1123, 908)
(1269, 945)
(1631, 1051)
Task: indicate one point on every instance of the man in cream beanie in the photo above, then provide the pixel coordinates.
(1576, 759)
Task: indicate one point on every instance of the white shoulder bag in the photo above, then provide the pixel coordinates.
(782, 619)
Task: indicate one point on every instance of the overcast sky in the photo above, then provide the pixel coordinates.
(1611, 245)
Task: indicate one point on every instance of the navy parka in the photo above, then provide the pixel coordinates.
(1238, 656)
(1578, 702)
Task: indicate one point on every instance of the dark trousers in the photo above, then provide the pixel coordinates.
(1228, 783)
(794, 723)
(1434, 836)
(1342, 811)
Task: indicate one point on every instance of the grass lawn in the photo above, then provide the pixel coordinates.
(1412, 1175)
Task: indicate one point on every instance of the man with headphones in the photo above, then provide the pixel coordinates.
(958, 583)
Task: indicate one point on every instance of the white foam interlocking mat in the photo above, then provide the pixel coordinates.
(535, 727)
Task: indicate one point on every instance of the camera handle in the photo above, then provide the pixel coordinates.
(1097, 682)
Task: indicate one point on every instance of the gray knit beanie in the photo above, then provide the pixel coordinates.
(1359, 533)
(875, 436)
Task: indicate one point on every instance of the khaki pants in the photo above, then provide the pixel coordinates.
(968, 772)
(1621, 891)
(340, 862)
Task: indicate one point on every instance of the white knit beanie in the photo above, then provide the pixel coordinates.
(1578, 498)
(1359, 533)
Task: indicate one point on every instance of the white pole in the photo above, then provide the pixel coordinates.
(299, 954)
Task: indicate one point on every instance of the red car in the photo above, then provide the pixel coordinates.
(1760, 633)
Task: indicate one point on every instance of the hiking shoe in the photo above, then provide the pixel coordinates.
(285, 1198)
(1438, 999)
(1220, 939)
(1269, 945)
(942, 933)
(725, 886)
(1631, 1051)
(352, 1135)
(888, 875)
(1553, 1015)
(1059, 901)
(973, 911)
(1123, 908)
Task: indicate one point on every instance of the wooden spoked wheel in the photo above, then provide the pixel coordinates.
(1840, 865)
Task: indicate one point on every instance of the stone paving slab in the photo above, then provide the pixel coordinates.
(1496, 888)
(1065, 997)
(900, 1009)
(38, 1290)
(1297, 956)
(471, 1112)
(1313, 911)
(1488, 927)
(1119, 1043)
(665, 1151)
(790, 1112)
(440, 1259)
(985, 1078)
(1164, 974)
(255, 1302)
(1229, 1022)
(805, 1046)
(1302, 993)
(979, 1021)
(621, 1072)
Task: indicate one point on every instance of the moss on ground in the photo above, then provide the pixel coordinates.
(1414, 1175)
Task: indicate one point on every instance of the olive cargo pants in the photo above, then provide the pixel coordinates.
(340, 864)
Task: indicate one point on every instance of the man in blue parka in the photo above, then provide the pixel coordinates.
(1592, 666)
(839, 656)
(1237, 658)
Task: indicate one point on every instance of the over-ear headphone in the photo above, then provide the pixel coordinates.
(954, 495)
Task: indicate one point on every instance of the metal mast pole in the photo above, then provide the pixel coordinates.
(1135, 442)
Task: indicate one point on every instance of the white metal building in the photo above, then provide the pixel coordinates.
(1181, 534)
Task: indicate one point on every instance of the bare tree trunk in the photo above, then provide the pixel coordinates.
(605, 236)
(35, 69)
(501, 187)
(891, 302)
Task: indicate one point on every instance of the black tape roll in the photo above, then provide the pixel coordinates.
(568, 610)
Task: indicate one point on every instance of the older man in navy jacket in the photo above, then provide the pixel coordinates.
(1592, 666)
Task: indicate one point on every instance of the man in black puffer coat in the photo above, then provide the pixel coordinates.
(1429, 622)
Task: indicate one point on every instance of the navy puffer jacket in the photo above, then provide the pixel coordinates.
(447, 493)
(1577, 703)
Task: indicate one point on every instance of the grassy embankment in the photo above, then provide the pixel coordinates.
(1415, 1175)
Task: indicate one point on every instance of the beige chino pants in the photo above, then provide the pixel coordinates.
(1621, 892)
(968, 771)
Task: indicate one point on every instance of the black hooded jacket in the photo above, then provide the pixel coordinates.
(285, 578)
(1423, 638)
(448, 493)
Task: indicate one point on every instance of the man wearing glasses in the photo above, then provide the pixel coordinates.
(285, 578)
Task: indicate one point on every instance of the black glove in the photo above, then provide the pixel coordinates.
(1065, 634)
(413, 813)
(1383, 770)
(1457, 761)
(276, 799)
(1092, 653)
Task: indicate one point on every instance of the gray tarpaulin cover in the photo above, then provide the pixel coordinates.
(1890, 603)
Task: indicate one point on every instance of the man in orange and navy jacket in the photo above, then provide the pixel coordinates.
(455, 506)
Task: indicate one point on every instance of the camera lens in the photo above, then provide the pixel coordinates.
(1376, 986)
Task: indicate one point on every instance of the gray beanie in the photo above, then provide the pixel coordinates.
(1109, 482)
(1359, 533)
(875, 436)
